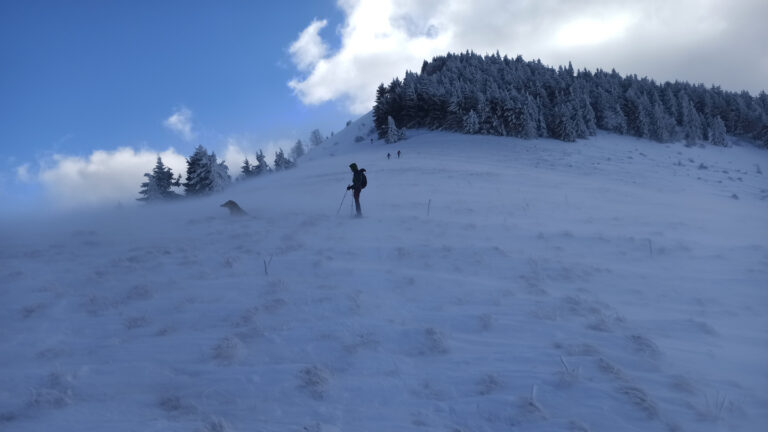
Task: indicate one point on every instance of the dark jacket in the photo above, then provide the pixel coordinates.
(357, 180)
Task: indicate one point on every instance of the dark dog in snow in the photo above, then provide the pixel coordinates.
(234, 209)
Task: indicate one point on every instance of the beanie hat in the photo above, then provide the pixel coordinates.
(353, 166)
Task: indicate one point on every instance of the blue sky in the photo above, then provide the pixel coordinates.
(83, 75)
(92, 91)
(80, 76)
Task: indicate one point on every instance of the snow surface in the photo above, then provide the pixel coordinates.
(494, 284)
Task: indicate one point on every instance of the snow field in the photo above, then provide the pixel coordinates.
(493, 284)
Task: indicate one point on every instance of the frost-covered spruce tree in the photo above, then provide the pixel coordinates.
(262, 167)
(692, 127)
(514, 117)
(198, 179)
(669, 102)
(530, 126)
(164, 178)
(393, 133)
(247, 169)
(380, 110)
(315, 138)
(411, 110)
(149, 190)
(587, 115)
(219, 174)
(562, 123)
(471, 123)
(637, 108)
(205, 174)
(297, 150)
(763, 136)
(717, 132)
(483, 113)
(159, 183)
(577, 119)
(614, 119)
(454, 119)
(281, 162)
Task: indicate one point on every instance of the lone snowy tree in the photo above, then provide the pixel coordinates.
(205, 174)
(315, 138)
(197, 180)
(262, 167)
(149, 190)
(380, 111)
(717, 132)
(247, 169)
(690, 120)
(158, 184)
(219, 174)
(297, 150)
(393, 133)
(471, 123)
(562, 124)
(282, 162)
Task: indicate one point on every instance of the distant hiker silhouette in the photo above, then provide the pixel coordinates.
(388, 155)
(398, 154)
(359, 182)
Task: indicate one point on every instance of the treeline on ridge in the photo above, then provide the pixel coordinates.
(497, 95)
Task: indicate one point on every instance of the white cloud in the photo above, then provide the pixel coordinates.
(180, 122)
(115, 176)
(664, 39)
(22, 173)
(590, 31)
(103, 177)
(309, 48)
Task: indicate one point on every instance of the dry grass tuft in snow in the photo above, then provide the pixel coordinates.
(215, 425)
(228, 350)
(644, 346)
(434, 342)
(136, 322)
(314, 380)
(55, 392)
(576, 426)
(715, 407)
(568, 376)
(489, 384)
(529, 408)
(641, 400)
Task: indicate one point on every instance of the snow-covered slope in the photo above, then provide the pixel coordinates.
(493, 284)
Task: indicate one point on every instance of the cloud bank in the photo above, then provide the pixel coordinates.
(711, 41)
(103, 177)
(109, 177)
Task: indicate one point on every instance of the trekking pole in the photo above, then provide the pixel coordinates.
(342, 201)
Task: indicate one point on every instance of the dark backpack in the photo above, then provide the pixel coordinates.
(363, 180)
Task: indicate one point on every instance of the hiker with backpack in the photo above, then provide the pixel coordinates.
(359, 182)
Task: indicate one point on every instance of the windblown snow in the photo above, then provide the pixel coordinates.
(493, 284)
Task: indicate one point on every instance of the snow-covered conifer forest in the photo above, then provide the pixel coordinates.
(495, 95)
